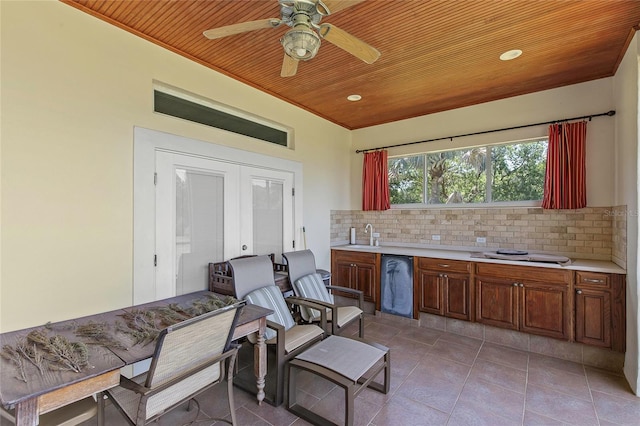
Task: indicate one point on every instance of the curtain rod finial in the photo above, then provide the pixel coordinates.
(611, 113)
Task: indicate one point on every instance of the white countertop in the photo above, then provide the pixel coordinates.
(465, 254)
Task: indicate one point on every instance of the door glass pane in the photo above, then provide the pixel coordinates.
(199, 228)
(267, 217)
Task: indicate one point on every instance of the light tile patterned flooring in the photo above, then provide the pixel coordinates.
(446, 379)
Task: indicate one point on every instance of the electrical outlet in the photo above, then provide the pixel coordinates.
(481, 240)
(376, 235)
(435, 237)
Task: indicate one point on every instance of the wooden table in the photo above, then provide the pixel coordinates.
(53, 389)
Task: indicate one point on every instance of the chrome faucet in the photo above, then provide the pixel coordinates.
(370, 227)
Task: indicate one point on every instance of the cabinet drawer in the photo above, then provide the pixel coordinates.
(443, 265)
(593, 279)
(354, 256)
(524, 273)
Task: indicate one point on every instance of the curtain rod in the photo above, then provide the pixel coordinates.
(609, 113)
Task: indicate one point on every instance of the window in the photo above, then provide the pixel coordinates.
(485, 174)
(180, 104)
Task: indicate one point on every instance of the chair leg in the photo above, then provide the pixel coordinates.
(232, 405)
(279, 397)
(361, 334)
(100, 397)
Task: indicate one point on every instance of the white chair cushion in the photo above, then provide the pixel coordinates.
(270, 297)
(298, 336)
(312, 287)
(346, 314)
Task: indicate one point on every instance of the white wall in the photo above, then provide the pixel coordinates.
(73, 88)
(626, 184)
(571, 101)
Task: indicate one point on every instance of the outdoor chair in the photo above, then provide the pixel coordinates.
(285, 339)
(189, 358)
(308, 286)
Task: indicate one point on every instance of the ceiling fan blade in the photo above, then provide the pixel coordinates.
(350, 43)
(334, 6)
(241, 27)
(289, 66)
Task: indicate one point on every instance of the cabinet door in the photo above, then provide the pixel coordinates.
(457, 296)
(497, 302)
(593, 317)
(544, 309)
(343, 275)
(430, 292)
(365, 280)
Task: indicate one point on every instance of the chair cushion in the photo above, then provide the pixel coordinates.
(270, 297)
(312, 287)
(298, 336)
(346, 314)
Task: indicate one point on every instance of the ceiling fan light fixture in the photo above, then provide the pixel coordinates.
(354, 98)
(301, 43)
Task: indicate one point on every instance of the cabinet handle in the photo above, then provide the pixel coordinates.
(515, 284)
(589, 280)
(578, 291)
(443, 265)
(521, 285)
(444, 275)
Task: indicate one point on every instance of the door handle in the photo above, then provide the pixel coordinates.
(244, 247)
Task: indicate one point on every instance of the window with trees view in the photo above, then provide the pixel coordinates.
(487, 174)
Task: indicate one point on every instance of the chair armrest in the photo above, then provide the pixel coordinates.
(279, 337)
(274, 325)
(127, 383)
(312, 303)
(358, 293)
(315, 304)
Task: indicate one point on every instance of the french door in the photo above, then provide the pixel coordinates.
(208, 210)
(266, 211)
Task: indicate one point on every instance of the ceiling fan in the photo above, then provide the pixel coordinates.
(302, 41)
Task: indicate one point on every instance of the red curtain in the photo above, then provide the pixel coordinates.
(565, 183)
(375, 181)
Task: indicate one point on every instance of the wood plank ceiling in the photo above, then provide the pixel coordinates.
(437, 55)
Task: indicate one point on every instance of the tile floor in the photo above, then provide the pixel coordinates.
(446, 379)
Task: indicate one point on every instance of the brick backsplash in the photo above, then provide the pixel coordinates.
(589, 233)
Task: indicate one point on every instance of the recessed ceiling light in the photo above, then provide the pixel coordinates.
(510, 54)
(354, 98)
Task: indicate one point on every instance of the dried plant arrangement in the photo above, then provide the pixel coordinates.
(211, 303)
(169, 315)
(31, 352)
(99, 334)
(140, 325)
(144, 325)
(12, 355)
(60, 352)
(43, 351)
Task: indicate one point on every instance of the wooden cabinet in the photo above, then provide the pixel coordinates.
(599, 308)
(443, 287)
(529, 299)
(356, 270)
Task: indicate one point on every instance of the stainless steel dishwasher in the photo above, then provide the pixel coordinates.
(396, 285)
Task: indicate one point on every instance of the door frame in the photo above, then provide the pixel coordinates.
(146, 143)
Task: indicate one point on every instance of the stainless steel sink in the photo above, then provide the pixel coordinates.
(361, 246)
